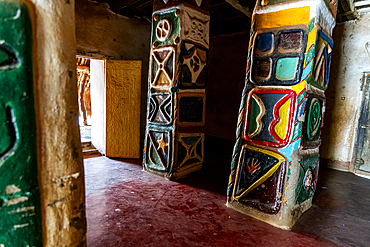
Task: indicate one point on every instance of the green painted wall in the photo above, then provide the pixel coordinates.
(19, 193)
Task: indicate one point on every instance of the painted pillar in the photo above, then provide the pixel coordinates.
(174, 142)
(61, 165)
(20, 207)
(275, 163)
(42, 199)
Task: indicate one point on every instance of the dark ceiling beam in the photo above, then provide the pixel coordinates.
(116, 6)
(346, 11)
(218, 4)
(235, 17)
(247, 10)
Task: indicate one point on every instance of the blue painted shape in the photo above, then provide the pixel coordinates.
(326, 76)
(264, 42)
(325, 37)
(300, 109)
(307, 70)
(288, 150)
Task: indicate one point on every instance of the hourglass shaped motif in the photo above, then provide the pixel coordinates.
(174, 139)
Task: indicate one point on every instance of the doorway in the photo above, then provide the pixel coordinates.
(109, 95)
(84, 106)
(362, 165)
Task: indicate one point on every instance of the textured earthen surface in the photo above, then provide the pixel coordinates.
(102, 34)
(142, 209)
(126, 207)
(61, 170)
(350, 60)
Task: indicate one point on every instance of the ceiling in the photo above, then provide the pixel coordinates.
(228, 16)
(225, 18)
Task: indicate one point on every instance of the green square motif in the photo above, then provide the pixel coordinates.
(166, 27)
(286, 68)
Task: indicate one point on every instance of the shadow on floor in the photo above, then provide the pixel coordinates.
(214, 175)
(341, 206)
(340, 210)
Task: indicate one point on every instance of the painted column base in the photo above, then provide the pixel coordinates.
(175, 175)
(343, 166)
(183, 173)
(285, 219)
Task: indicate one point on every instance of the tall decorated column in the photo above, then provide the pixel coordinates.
(174, 141)
(275, 163)
(42, 199)
(20, 206)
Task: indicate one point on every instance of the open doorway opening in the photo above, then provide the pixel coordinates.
(362, 167)
(109, 94)
(84, 105)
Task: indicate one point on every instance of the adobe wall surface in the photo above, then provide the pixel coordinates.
(344, 94)
(60, 158)
(102, 34)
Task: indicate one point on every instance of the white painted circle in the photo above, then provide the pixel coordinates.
(163, 29)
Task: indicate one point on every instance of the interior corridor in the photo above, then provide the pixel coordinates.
(126, 206)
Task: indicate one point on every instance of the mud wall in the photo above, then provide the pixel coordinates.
(344, 95)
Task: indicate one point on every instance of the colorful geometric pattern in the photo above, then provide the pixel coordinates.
(277, 57)
(268, 196)
(308, 174)
(190, 149)
(176, 96)
(317, 66)
(158, 149)
(162, 67)
(322, 58)
(287, 51)
(160, 108)
(166, 27)
(270, 114)
(314, 118)
(193, 61)
(255, 166)
(313, 121)
(195, 27)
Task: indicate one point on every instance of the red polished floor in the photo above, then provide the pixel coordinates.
(129, 207)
